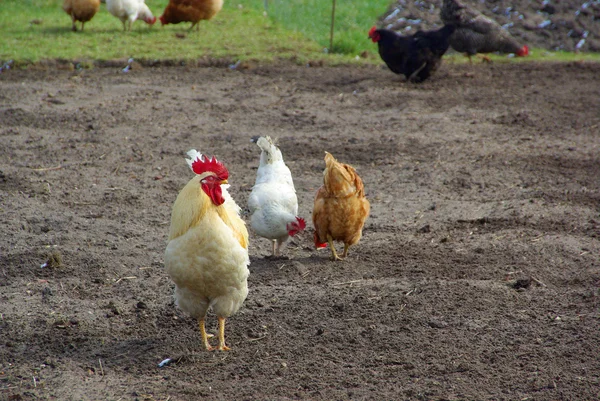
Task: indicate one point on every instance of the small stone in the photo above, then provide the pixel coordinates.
(437, 324)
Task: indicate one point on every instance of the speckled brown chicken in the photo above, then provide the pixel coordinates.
(476, 33)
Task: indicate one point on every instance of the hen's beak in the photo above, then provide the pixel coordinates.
(224, 182)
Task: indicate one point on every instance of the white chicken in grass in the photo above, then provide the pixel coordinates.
(207, 253)
(273, 203)
(128, 11)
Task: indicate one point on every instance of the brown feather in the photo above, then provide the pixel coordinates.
(192, 11)
(81, 10)
(340, 208)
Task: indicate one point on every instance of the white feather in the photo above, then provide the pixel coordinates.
(273, 202)
(128, 10)
(194, 155)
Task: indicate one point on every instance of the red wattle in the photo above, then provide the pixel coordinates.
(215, 193)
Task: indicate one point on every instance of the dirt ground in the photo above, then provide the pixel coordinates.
(477, 278)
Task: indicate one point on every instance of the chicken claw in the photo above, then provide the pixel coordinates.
(222, 346)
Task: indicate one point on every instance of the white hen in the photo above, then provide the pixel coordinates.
(273, 203)
(130, 10)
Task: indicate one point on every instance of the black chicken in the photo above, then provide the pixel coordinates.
(416, 56)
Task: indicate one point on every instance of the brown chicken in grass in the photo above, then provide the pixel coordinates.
(192, 11)
(81, 10)
(341, 207)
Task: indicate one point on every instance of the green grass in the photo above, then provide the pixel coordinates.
(312, 18)
(545, 55)
(240, 31)
(292, 29)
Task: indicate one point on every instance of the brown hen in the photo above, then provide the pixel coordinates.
(192, 11)
(81, 10)
(341, 207)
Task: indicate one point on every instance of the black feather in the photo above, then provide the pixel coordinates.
(416, 56)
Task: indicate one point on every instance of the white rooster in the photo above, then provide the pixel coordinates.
(273, 203)
(128, 11)
(207, 253)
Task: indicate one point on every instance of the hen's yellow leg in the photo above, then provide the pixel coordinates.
(222, 346)
(274, 245)
(334, 255)
(204, 335)
(346, 247)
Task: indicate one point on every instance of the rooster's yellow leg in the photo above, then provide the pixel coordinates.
(346, 246)
(204, 335)
(222, 346)
(334, 255)
(274, 250)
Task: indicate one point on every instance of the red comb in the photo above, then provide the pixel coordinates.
(301, 223)
(203, 164)
(372, 31)
(524, 51)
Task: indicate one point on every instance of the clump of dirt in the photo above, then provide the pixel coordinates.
(53, 260)
(572, 25)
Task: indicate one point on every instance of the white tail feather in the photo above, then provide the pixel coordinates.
(265, 143)
(270, 152)
(195, 155)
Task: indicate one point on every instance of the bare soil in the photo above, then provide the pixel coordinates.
(477, 278)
